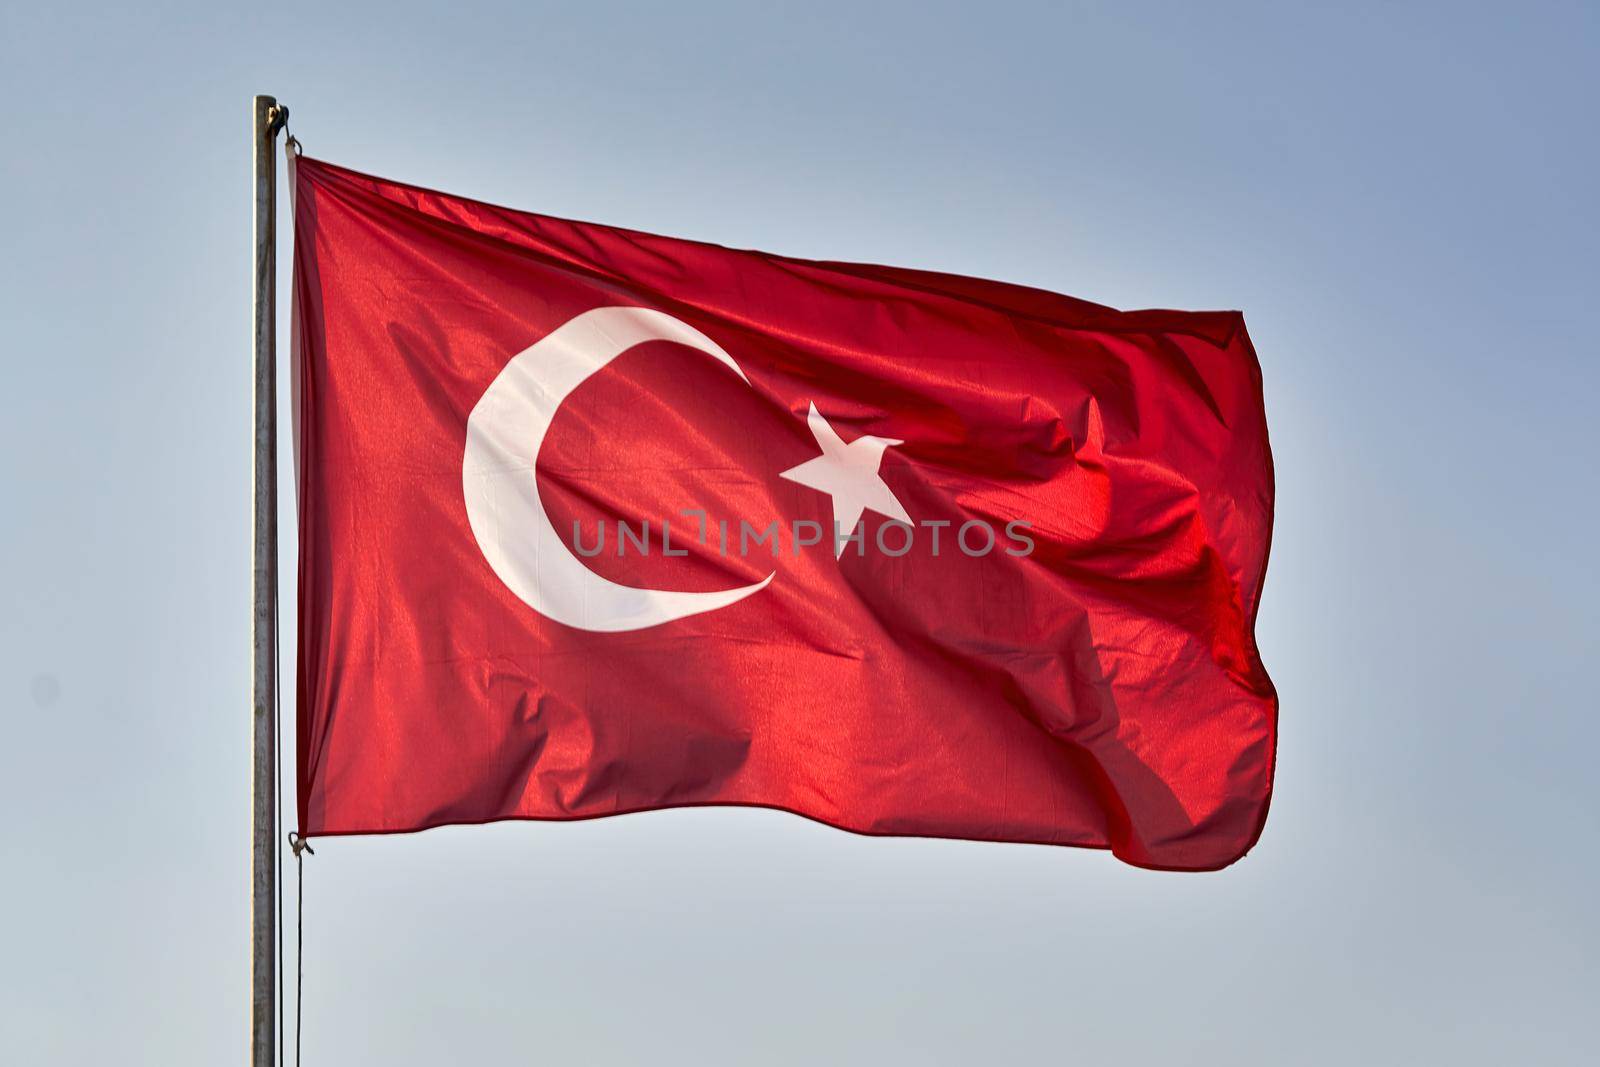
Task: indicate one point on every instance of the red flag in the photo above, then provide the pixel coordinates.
(594, 521)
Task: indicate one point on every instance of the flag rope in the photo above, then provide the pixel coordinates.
(291, 148)
(277, 808)
(277, 720)
(299, 845)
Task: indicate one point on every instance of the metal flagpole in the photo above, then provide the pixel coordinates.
(269, 119)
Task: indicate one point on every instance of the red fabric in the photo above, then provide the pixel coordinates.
(1103, 691)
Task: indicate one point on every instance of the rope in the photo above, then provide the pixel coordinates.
(299, 950)
(280, 122)
(299, 845)
(277, 808)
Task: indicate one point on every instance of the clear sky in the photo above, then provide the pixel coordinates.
(1400, 197)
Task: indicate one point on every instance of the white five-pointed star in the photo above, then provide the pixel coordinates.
(849, 474)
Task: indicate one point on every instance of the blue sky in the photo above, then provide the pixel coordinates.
(1399, 197)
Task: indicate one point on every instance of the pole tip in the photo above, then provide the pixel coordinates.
(270, 114)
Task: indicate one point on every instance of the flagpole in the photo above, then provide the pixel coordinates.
(269, 119)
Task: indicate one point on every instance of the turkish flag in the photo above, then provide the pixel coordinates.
(594, 521)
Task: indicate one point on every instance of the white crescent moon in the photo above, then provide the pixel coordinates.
(504, 432)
